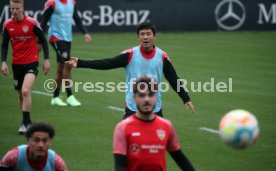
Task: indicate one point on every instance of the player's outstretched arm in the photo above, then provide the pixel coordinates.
(182, 161)
(118, 61)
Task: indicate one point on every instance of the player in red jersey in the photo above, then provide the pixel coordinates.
(23, 31)
(140, 141)
(36, 155)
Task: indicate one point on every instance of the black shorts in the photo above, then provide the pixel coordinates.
(129, 112)
(19, 72)
(62, 49)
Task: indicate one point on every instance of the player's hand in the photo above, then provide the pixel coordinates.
(46, 66)
(189, 105)
(87, 38)
(5, 69)
(73, 62)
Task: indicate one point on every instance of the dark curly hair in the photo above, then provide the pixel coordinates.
(40, 127)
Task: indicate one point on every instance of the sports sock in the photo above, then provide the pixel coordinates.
(56, 92)
(69, 92)
(26, 118)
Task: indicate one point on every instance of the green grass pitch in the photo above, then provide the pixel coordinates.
(84, 134)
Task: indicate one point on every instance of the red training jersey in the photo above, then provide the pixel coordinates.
(23, 40)
(145, 143)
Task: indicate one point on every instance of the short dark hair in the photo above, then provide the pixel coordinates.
(146, 25)
(40, 127)
(143, 83)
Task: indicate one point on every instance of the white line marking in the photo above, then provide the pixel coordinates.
(41, 93)
(116, 108)
(122, 110)
(209, 130)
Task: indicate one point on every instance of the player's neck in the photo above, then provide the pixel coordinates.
(63, 1)
(34, 157)
(144, 117)
(19, 18)
(147, 50)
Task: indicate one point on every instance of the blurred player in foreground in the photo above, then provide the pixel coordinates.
(140, 141)
(60, 14)
(145, 59)
(36, 155)
(23, 31)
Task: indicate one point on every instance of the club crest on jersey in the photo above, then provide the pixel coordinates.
(25, 29)
(134, 148)
(161, 134)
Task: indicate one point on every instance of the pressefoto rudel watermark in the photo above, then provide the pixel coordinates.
(208, 86)
(189, 86)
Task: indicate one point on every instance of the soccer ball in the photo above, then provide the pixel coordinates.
(239, 128)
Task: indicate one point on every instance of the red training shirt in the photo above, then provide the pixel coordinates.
(23, 40)
(145, 143)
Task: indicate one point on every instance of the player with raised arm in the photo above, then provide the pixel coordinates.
(145, 59)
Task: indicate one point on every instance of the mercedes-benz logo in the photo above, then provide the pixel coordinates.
(230, 14)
